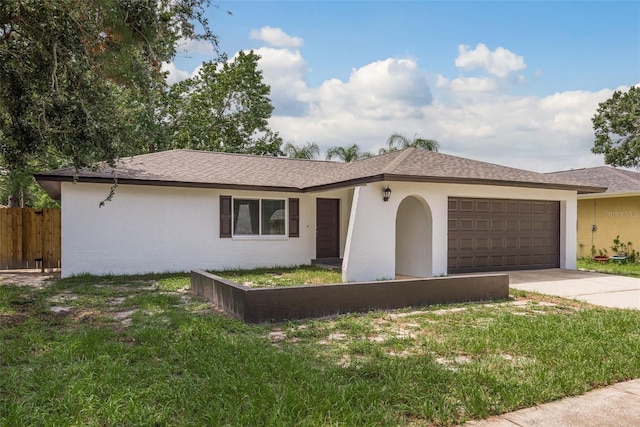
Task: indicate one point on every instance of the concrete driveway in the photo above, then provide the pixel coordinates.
(595, 288)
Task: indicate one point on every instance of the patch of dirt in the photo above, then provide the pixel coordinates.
(450, 363)
(124, 317)
(37, 280)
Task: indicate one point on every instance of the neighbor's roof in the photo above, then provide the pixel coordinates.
(189, 168)
(617, 181)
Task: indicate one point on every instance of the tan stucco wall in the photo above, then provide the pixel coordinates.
(612, 216)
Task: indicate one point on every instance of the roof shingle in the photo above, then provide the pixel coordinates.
(616, 180)
(225, 170)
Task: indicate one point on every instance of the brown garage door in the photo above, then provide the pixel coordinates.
(502, 234)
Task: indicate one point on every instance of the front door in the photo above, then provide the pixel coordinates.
(328, 228)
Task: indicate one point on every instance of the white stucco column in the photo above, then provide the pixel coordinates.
(568, 225)
(440, 214)
(370, 247)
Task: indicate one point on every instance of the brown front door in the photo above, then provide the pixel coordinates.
(328, 228)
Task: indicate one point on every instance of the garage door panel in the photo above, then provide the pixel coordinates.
(482, 206)
(467, 205)
(525, 207)
(511, 225)
(483, 243)
(502, 234)
(539, 225)
(525, 225)
(510, 261)
(466, 225)
(498, 225)
(511, 207)
(497, 206)
(510, 243)
(482, 225)
(540, 242)
(466, 244)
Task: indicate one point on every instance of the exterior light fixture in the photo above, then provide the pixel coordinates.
(387, 194)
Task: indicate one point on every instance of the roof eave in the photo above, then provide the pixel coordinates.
(610, 195)
(47, 180)
(581, 189)
(42, 178)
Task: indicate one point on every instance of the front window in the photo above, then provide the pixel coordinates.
(259, 217)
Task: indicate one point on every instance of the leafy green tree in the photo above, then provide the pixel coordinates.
(347, 154)
(398, 141)
(309, 151)
(80, 80)
(617, 128)
(224, 107)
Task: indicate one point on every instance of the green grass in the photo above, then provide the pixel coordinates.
(610, 267)
(143, 351)
(279, 276)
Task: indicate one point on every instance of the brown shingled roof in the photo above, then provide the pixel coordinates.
(224, 170)
(616, 180)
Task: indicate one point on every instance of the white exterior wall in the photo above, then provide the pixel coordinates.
(157, 229)
(160, 229)
(370, 247)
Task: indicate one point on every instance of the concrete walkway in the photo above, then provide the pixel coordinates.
(617, 405)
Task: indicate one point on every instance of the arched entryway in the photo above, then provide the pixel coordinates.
(414, 238)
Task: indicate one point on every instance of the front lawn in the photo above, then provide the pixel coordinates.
(280, 276)
(144, 351)
(631, 269)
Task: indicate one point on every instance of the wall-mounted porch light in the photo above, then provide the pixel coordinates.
(387, 194)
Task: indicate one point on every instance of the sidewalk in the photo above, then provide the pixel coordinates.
(618, 405)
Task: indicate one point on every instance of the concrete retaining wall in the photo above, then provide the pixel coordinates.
(258, 305)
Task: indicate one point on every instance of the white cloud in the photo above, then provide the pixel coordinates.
(276, 37)
(474, 84)
(380, 90)
(473, 117)
(175, 75)
(500, 62)
(196, 47)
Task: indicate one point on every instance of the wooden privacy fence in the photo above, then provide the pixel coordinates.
(29, 238)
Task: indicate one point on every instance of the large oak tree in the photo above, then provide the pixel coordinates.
(224, 107)
(617, 128)
(80, 80)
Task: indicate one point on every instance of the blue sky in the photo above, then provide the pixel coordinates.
(514, 83)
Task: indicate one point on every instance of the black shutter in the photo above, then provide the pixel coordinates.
(225, 216)
(294, 217)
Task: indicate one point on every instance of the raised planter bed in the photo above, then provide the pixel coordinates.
(259, 305)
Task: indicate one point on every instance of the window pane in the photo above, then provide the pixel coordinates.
(273, 216)
(246, 214)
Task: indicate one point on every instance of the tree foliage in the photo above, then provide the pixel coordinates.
(80, 80)
(347, 154)
(617, 128)
(398, 141)
(224, 107)
(308, 151)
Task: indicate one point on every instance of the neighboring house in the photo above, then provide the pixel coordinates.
(604, 216)
(182, 209)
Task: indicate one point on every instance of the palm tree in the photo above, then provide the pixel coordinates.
(398, 141)
(348, 154)
(307, 151)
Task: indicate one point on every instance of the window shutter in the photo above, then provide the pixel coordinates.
(225, 216)
(294, 217)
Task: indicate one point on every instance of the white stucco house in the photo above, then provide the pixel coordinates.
(183, 209)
